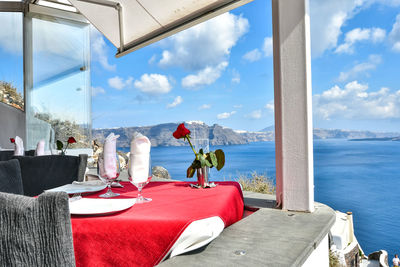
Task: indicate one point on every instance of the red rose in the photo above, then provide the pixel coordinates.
(71, 140)
(181, 131)
(12, 140)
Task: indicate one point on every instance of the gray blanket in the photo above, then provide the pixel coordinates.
(35, 231)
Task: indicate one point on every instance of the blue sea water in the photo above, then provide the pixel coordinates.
(362, 177)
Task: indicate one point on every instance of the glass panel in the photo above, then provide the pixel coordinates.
(11, 67)
(59, 99)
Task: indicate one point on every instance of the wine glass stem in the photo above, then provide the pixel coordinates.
(139, 196)
(109, 188)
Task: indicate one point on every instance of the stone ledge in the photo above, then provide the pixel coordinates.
(269, 237)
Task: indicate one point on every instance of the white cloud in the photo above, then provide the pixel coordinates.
(206, 76)
(206, 44)
(327, 17)
(11, 33)
(97, 90)
(153, 84)
(355, 101)
(225, 115)
(253, 55)
(361, 68)
(394, 35)
(99, 49)
(378, 35)
(238, 106)
(270, 106)
(204, 48)
(235, 76)
(356, 35)
(268, 47)
(119, 83)
(177, 101)
(205, 106)
(256, 114)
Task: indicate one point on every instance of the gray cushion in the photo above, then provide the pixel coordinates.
(45, 172)
(35, 231)
(10, 177)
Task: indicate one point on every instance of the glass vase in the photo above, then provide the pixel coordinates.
(202, 176)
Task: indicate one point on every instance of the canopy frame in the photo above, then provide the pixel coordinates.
(163, 31)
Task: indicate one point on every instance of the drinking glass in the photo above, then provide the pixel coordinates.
(140, 175)
(105, 178)
(201, 144)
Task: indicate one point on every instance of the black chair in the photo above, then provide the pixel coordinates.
(46, 172)
(35, 231)
(10, 177)
(9, 154)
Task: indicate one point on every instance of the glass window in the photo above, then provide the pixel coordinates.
(11, 67)
(59, 98)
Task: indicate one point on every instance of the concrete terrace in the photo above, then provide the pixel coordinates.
(268, 237)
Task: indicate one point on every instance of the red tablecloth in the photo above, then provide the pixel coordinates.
(143, 234)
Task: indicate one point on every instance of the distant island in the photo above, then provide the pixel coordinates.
(377, 139)
(161, 134)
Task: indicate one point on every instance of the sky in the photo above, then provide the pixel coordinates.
(221, 71)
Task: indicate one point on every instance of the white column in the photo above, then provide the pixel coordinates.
(293, 105)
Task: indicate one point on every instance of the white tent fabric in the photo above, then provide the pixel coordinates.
(133, 24)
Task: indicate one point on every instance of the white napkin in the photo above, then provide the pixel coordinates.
(40, 148)
(19, 147)
(94, 182)
(109, 157)
(139, 158)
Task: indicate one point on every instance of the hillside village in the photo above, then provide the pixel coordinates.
(10, 96)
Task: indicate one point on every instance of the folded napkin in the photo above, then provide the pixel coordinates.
(108, 164)
(95, 182)
(40, 148)
(139, 158)
(19, 147)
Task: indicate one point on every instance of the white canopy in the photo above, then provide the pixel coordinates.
(133, 24)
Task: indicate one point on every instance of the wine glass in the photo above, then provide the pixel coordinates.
(105, 178)
(139, 174)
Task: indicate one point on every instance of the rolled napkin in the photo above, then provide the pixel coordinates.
(19, 147)
(139, 158)
(109, 160)
(40, 148)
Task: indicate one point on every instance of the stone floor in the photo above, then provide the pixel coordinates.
(268, 237)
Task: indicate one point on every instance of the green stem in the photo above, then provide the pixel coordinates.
(65, 149)
(190, 143)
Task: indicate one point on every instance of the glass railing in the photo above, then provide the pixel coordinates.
(58, 100)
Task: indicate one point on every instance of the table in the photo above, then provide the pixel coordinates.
(144, 234)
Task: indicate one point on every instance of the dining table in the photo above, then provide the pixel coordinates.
(179, 218)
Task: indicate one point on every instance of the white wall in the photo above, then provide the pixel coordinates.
(320, 256)
(12, 123)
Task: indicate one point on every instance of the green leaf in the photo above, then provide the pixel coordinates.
(196, 164)
(59, 145)
(213, 159)
(220, 158)
(190, 172)
(201, 151)
(204, 162)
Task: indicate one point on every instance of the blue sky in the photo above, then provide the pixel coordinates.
(228, 80)
(221, 71)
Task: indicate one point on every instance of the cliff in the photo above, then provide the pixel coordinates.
(161, 134)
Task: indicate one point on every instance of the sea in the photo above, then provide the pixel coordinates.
(358, 176)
